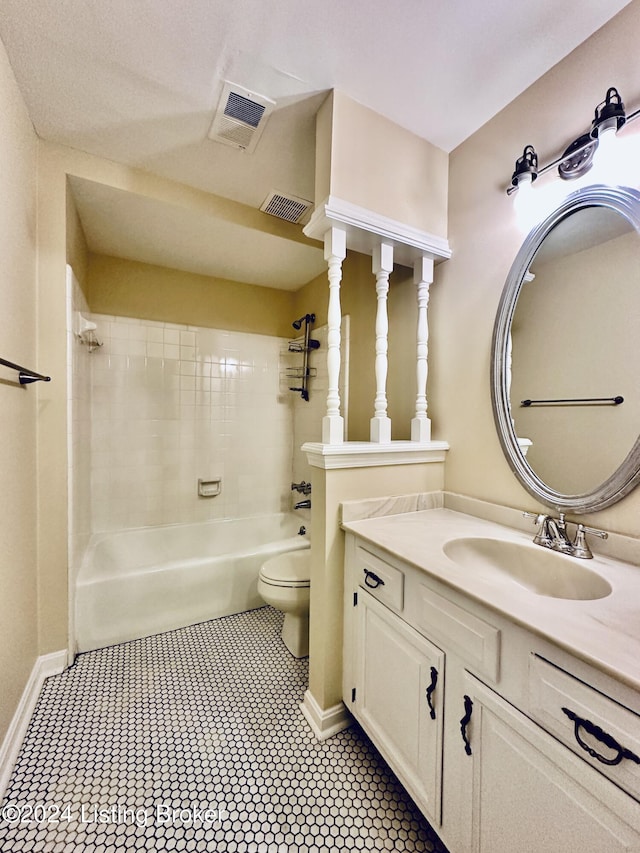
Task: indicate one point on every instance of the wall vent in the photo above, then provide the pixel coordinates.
(240, 118)
(288, 207)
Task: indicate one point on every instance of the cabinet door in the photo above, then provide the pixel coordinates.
(399, 694)
(527, 792)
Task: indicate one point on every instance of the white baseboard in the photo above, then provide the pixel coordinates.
(324, 724)
(45, 665)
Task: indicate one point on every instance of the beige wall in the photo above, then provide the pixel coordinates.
(330, 488)
(324, 122)
(18, 405)
(77, 250)
(386, 169)
(485, 240)
(130, 289)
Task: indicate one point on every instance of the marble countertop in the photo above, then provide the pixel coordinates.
(605, 632)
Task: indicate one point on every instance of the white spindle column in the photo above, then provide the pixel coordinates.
(335, 251)
(422, 277)
(382, 264)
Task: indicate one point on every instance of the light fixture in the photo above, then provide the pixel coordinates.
(609, 115)
(577, 158)
(581, 154)
(526, 170)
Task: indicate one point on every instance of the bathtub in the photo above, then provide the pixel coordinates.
(140, 582)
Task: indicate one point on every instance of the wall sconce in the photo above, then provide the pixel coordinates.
(581, 154)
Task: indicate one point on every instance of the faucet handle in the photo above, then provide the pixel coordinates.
(540, 520)
(581, 546)
(538, 517)
(601, 534)
(303, 487)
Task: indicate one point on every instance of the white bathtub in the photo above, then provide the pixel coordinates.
(140, 582)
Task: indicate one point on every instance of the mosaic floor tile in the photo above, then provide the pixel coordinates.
(194, 741)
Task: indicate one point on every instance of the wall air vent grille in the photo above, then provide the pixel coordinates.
(240, 118)
(288, 207)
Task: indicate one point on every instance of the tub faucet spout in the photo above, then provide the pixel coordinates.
(303, 505)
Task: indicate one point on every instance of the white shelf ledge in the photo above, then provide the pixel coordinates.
(369, 454)
(365, 229)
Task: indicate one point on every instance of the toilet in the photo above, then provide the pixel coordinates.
(284, 582)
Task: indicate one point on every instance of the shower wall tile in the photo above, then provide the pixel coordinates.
(173, 403)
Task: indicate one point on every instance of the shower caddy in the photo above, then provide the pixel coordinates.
(303, 345)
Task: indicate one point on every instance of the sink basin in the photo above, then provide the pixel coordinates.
(537, 569)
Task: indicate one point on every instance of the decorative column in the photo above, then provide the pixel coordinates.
(382, 265)
(422, 277)
(335, 251)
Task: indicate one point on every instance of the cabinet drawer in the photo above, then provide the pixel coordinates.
(474, 640)
(380, 579)
(595, 727)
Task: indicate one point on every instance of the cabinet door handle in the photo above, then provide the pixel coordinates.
(429, 692)
(464, 722)
(604, 737)
(372, 580)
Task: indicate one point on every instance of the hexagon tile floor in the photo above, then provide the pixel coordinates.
(194, 741)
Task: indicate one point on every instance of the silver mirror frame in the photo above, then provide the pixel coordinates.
(626, 202)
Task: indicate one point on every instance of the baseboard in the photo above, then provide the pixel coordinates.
(45, 665)
(324, 724)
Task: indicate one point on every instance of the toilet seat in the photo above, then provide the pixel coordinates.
(287, 570)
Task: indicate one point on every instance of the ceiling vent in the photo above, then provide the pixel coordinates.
(288, 207)
(240, 118)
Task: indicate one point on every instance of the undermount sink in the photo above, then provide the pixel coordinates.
(537, 569)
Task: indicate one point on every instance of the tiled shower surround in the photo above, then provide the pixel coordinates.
(174, 403)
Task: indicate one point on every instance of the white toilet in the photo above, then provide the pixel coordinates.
(284, 582)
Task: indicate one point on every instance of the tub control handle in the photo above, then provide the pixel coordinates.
(372, 580)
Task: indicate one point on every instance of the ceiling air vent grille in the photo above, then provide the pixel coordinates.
(288, 207)
(240, 117)
(244, 109)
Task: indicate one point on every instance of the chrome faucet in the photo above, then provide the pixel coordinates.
(303, 487)
(552, 533)
(303, 505)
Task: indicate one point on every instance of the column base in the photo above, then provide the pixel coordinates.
(324, 724)
(380, 430)
(420, 429)
(332, 429)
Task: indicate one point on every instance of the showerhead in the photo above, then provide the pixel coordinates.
(308, 318)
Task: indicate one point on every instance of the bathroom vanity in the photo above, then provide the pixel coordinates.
(500, 681)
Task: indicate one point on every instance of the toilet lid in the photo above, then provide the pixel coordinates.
(290, 569)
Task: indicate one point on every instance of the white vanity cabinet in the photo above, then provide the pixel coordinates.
(398, 694)
(522, 790)
(467, 709)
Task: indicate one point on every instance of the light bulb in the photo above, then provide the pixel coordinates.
(536, 203)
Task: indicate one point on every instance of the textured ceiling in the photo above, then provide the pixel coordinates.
(138, 82)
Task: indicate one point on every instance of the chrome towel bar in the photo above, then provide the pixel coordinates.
(25, 376)
(612, 401)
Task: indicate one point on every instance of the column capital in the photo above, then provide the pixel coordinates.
(423, 270)
(335, 244)
(382, 258)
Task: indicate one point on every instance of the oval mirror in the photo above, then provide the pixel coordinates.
(565, 382)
